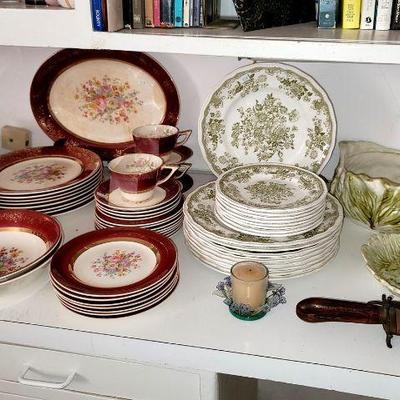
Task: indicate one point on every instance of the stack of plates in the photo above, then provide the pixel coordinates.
(161, 213)
(115, 272)
(219, 247)
(53, 180)
(28, 240)
(270, 200)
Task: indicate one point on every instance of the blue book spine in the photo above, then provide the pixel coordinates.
(178, 13)
(97, 16)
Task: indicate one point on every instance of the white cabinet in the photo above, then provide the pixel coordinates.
(59, 375)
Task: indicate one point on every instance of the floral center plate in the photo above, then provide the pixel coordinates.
(95, 98)
(267, 112)
(40, 173)
(272, 186)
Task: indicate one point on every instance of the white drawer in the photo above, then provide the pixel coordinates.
(95, 375)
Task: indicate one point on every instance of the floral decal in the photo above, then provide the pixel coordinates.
(269, 192)
(107, 100)
(141, 165)
(117, 264)
(40, 173)
(11, 259)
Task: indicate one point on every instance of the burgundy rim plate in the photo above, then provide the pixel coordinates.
(172, 188)
(36, 173)
(111, 91)
(26, 239)
(113, 262)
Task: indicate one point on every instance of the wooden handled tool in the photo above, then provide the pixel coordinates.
(385, 312)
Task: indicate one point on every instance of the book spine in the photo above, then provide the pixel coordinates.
(138, 14)
(127, 13)
(351, 14)
(368, 14)
(395, 23)
(383, 15)
(167, 19)
(97, 16)
(327, 13)
(186, 13)
(148, 11)
(178, 14)
(190, 12)
(196, 12)
(157, 12)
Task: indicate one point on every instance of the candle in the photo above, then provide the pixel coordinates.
(249, 283)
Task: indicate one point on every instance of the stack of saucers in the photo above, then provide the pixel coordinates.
(161, 213)
(270, 200)
(219, 247)
(53, 180)
(28, 240)
(115, 272)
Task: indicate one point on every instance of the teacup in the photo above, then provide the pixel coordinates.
(136, 175)
(158, 139)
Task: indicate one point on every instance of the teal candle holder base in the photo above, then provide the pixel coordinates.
(275, 295)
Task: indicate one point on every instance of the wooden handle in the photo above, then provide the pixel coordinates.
(326, 310)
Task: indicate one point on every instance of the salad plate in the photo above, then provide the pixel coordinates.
(267, 113)
(95, 98)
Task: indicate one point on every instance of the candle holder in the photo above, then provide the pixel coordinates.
(275, 295)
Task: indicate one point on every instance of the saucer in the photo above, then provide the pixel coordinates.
(178, 155)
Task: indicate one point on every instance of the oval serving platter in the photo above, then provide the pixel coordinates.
(95, 98)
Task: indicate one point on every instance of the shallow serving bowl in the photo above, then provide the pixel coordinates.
(367, 183)
(382, 255)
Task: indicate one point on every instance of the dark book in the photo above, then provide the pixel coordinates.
(196, 12)
(260, 14)
(167, 13)
(35, 2)
(395, 22)
(127, 7)
(138, 14)
(98, 20)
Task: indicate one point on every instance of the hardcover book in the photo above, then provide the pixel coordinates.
(138, 14)
(327, 12)
(368, 14)
(148, 13)
(97, 16)
(127, 7)
(186, 13)
(351, 14)
(156, 12)
(178, 13)
(167, 14)
(196, 12)
(395, 23)
(383, 15)
(115, 16)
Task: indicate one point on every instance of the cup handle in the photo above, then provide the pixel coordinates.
(185, 134)
(183, 168)
(173, 169)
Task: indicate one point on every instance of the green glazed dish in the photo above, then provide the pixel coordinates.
(367, 184)
(382, 255)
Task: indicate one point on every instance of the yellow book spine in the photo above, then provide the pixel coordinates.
(351, 13)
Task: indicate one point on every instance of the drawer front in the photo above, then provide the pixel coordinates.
(53, 369)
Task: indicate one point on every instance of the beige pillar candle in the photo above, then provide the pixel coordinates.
(249, 283)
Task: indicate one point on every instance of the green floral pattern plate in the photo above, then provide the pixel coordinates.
(267, 113)
(199, 211)
(272, 187)
(382, 255)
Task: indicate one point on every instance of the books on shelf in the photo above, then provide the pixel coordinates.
(383, 15)
(395, 21)
(351, 14)
(327, 13)
(368, 14)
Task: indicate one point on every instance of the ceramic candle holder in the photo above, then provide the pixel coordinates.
(249, 283)
(159, 139)
(136, 175)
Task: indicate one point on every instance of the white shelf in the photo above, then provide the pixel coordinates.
(47, 27)
(192, 329)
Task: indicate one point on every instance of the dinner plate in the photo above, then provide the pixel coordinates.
(267, 113)
(113, 262)
(27, 238)
(44, 170)
(199, 212)
(95, 98)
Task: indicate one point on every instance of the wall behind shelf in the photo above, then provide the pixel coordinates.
(366, 97)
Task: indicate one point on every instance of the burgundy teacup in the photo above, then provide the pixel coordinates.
(136, 175)
(158, 139)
